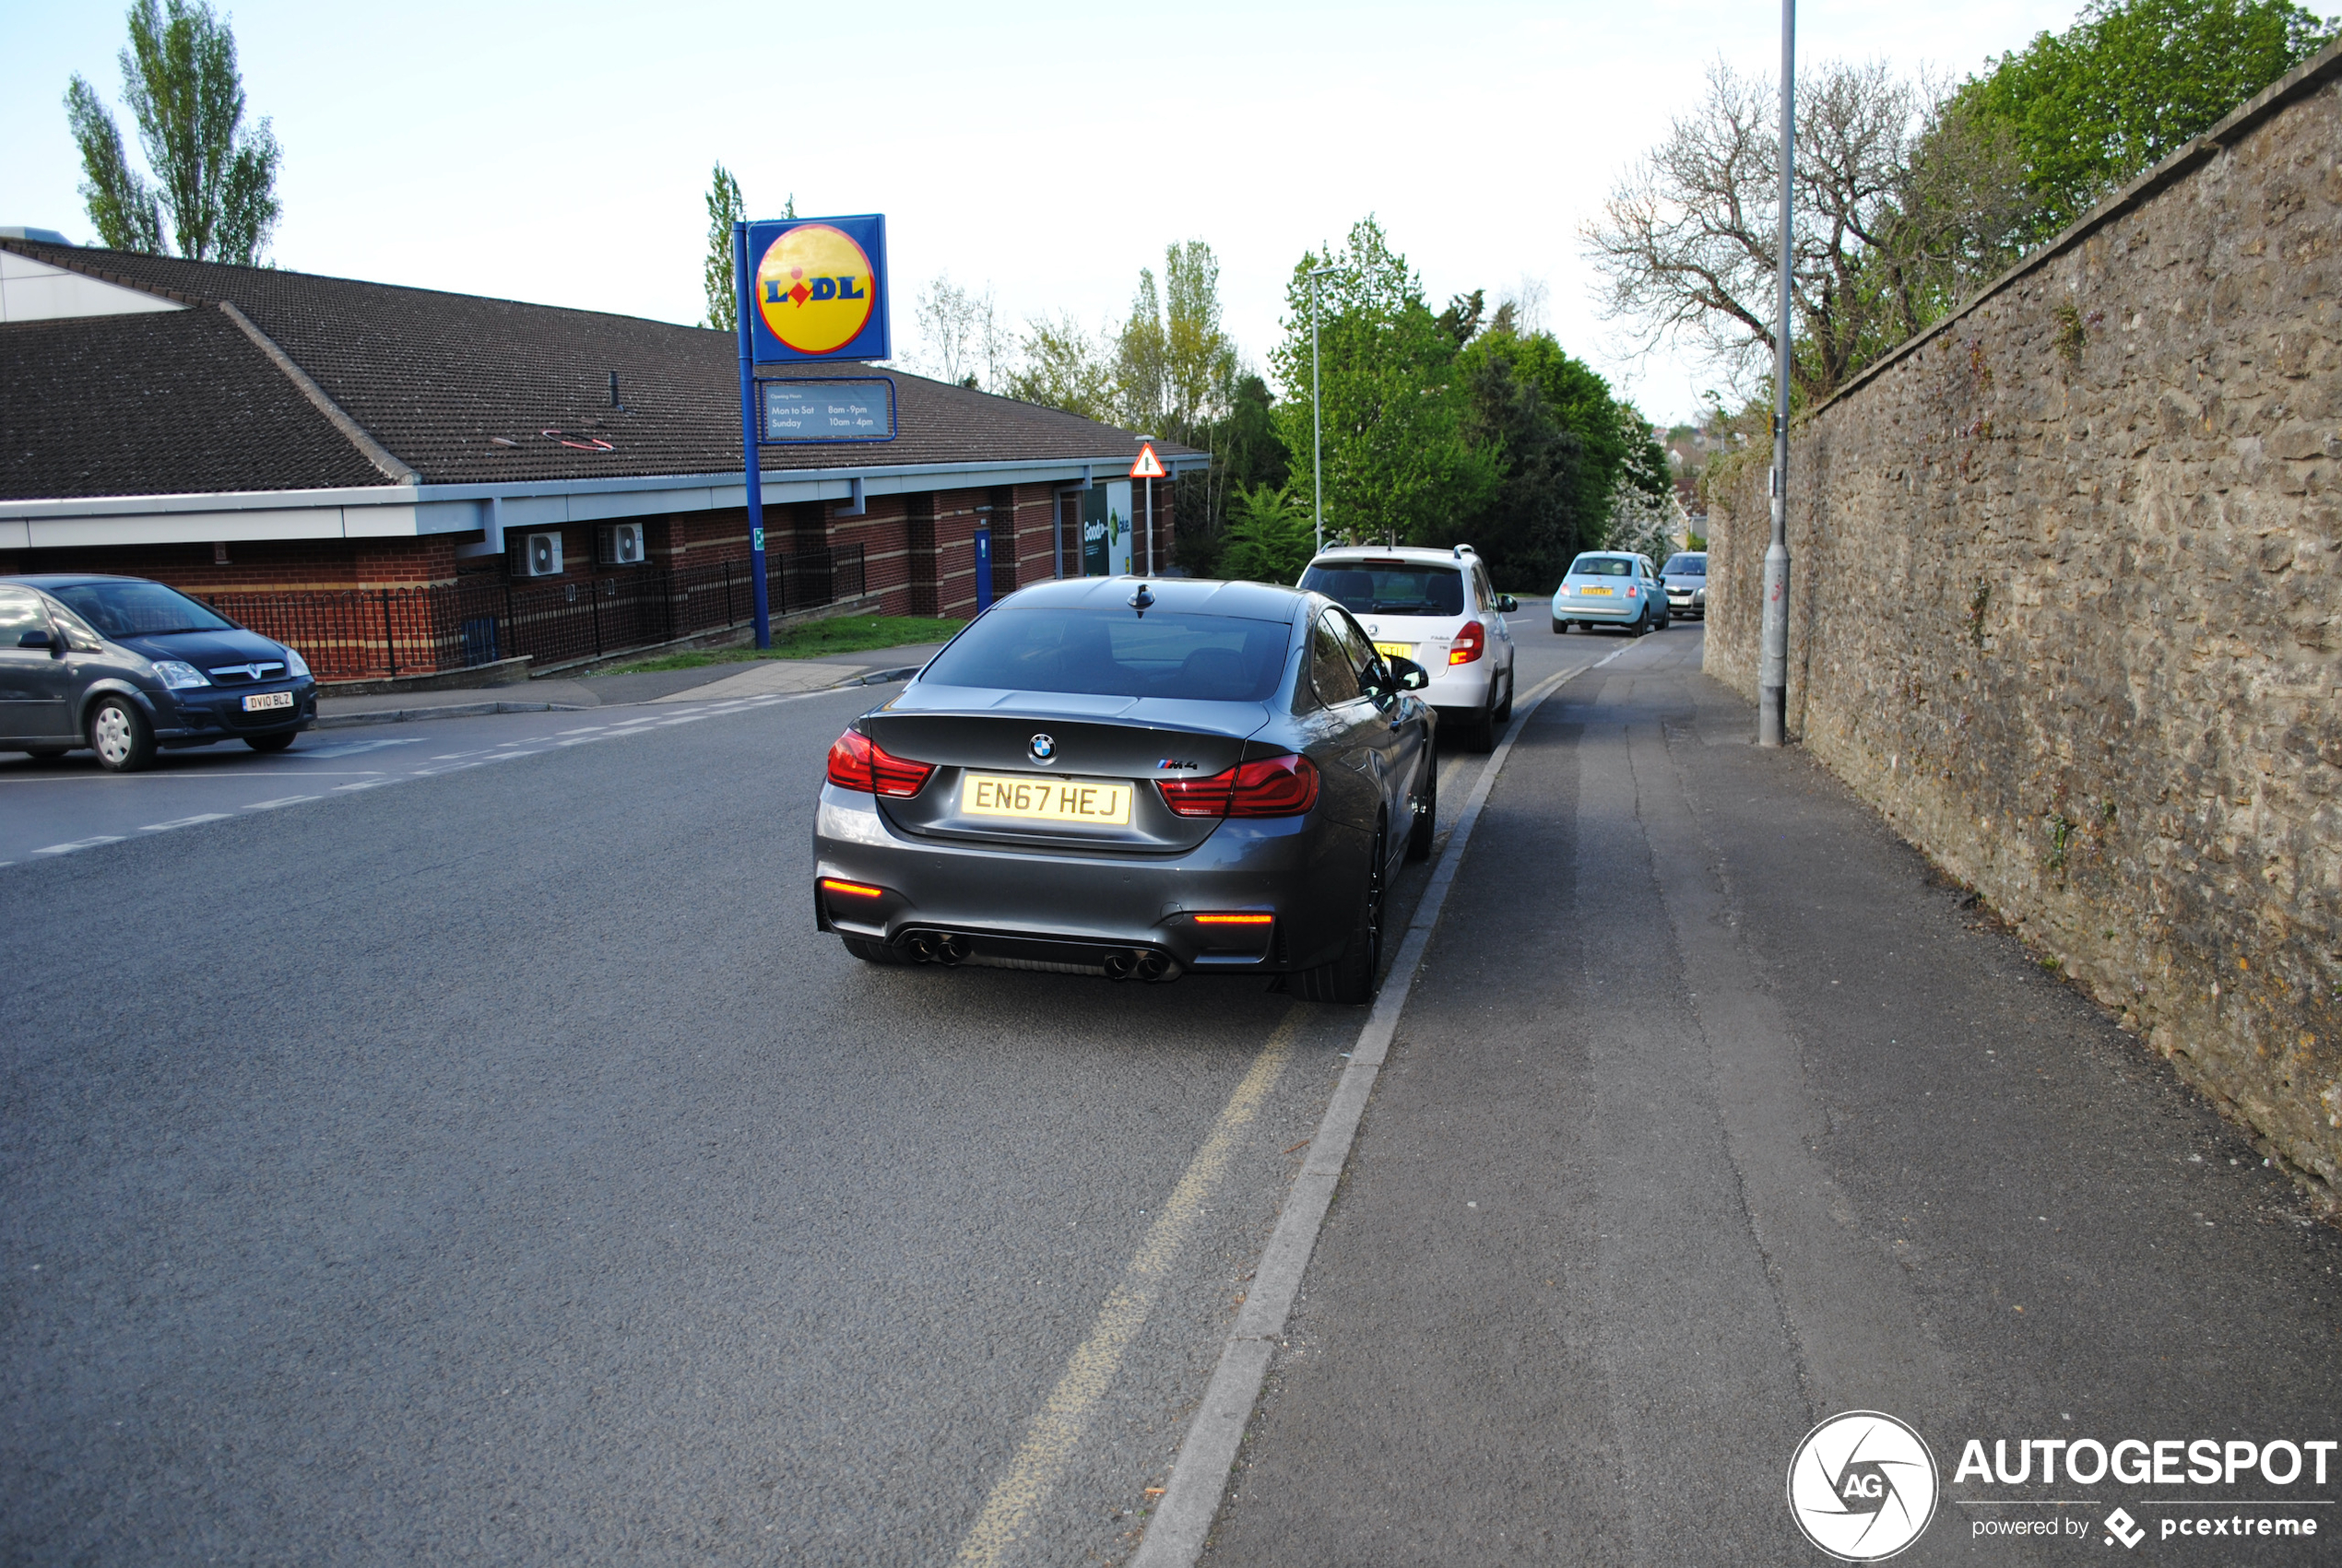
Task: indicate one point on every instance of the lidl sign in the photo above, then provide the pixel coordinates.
(818, 290)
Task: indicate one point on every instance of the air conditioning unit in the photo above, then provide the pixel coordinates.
(622, 544)
(540, 556)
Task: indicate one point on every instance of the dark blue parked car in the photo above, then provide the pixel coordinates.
(122, 666)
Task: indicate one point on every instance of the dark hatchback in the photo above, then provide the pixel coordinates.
(124, 665)
(1138, 779)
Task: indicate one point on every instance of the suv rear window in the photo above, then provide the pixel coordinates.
(1102, 653)
(1372, 587)
(1602, 566)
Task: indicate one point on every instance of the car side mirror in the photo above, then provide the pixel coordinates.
(1507, 603)
(1409, 674)
(38, 640)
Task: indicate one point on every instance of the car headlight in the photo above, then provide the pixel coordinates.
(177, 675)
(296, 663)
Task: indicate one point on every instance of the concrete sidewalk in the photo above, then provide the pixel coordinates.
(716, 683)
(1714, 1113)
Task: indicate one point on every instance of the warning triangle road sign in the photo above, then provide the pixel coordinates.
(1148, 467)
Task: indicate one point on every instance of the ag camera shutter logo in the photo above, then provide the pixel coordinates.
(1863, 1486)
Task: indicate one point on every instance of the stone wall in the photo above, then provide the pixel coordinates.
(2065, 597)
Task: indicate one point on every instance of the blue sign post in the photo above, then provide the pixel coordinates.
(808, 290)
(983, 570)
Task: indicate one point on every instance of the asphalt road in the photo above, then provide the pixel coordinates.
(463, 1148)
(489, 1162)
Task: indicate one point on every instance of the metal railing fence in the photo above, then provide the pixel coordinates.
(357, 633)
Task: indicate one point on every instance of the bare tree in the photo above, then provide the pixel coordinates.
(1687, 240)
(959, 332)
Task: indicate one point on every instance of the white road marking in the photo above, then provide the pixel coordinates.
(351, 747)
(272, 805)
(1182, 1521)
(1057, 1430)
(91, 843)
(186, 821)
(364, 784)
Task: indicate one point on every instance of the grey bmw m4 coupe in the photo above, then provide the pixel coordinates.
(1138, 779)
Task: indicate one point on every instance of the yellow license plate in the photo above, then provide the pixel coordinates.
(1029, 799)
(1395, 650)
(1604, 592)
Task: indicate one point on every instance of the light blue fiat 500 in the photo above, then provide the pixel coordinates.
(1611, 588)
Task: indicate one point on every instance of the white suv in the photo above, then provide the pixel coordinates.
(1437, 608)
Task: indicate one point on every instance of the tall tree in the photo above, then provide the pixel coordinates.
(214, 178)
(1397, 460)
(1138, 355)
(726, 206)
(2129, 84)
(1200, 362)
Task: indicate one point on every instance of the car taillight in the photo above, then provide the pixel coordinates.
(1471, 642)
(1633, 592)
(857, 762)
(1274, 786)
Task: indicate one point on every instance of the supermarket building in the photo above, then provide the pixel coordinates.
(405, 482)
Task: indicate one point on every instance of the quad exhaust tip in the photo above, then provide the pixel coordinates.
(1150, 964)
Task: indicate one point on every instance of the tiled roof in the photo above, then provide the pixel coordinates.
(172, 402)
(430, 376)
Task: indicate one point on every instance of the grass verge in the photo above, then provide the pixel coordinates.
(849, 634)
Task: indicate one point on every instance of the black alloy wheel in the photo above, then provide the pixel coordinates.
(1504, 712)
(269, 744)
(1350, 979)
(1421, 832)
(1561, 627)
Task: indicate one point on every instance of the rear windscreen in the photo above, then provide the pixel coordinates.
(1602, 566)
(1398, 588)
(1101, 653)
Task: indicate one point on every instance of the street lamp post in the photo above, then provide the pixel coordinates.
(1772, 669)
(1316, 422)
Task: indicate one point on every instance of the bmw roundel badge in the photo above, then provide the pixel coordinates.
(1045, 748)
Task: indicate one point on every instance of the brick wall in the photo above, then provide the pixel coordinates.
(2065, 605)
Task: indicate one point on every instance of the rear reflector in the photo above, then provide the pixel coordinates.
(1235, 919)
(857, 762)
(858, 890)
(1274, 786)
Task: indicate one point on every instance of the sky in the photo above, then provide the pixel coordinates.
(561, 153)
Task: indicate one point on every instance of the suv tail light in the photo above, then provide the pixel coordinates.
(857, 762)
(1471, 642)
(1274, 786)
